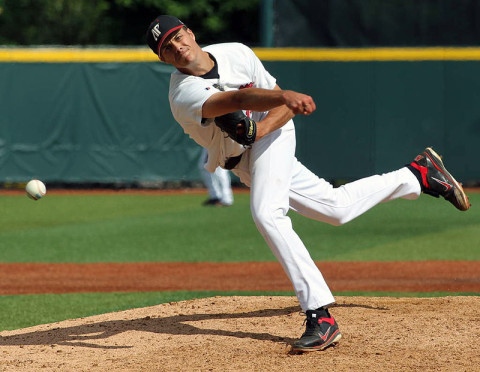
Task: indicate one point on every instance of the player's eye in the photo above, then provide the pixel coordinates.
(167, 48)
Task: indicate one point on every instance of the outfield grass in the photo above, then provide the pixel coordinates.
(142, 228)
(139, 228)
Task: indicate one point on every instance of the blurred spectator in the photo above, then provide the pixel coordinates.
(219, 184)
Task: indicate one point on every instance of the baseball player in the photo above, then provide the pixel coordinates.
(227, 102)
(218, 183)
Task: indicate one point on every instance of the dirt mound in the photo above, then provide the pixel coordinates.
(254, 334)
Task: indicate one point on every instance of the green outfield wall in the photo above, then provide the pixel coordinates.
(102, 115)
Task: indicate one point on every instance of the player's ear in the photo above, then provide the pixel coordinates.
(190, 32)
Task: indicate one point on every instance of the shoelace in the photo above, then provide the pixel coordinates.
(311, 325)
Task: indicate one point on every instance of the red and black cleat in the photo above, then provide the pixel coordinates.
(321, 331)
(437, 181)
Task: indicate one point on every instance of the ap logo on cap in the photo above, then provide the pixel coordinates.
(156, 32)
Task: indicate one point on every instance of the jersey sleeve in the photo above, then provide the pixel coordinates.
(187, 96)
(262, 77)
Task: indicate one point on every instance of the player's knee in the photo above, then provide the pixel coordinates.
(337, 217)
(267, 217)
(336, 222)
(341, 219)
(260, 216)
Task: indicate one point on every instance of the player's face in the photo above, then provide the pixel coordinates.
(180, 49)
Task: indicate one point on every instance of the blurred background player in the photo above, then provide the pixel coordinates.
(218, 184)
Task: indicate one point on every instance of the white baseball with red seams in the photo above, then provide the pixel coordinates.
(35, 189)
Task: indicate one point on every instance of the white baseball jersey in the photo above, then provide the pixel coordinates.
(238, 67)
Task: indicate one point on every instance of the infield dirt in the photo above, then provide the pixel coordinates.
(255, 334)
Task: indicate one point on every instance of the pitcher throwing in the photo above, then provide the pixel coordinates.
(227, 102)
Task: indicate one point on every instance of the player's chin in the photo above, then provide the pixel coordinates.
(183, 59)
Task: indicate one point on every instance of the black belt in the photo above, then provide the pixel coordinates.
(232, 162)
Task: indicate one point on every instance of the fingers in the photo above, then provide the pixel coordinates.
(304, 107)
(308, 108)
(300, 103)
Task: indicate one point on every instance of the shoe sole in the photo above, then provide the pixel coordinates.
(333, 342)
(457, 188)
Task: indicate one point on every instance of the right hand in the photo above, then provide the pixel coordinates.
(299, 103)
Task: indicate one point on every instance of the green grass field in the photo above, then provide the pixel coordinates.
(140, 228)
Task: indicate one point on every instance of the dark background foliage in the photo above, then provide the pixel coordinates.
(122, 22)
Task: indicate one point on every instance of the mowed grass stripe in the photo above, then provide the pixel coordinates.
(143, 228)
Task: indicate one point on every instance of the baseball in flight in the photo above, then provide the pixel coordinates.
(35, 189)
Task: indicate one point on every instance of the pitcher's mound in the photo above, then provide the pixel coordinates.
(254, 334)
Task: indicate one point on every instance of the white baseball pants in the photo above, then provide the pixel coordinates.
(279, 182)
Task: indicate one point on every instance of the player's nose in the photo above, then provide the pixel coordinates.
(176, 46)
(180, 49)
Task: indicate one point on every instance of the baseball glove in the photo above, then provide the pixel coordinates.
(238, 127)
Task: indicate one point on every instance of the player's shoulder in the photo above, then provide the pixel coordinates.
(179, 80)
(230, 48)
(182, 85)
